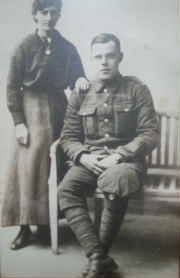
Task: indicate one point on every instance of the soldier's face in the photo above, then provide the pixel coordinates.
(47, 18)
(106, 58)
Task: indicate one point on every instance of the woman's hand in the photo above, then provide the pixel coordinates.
(82, 84)
(22, 134)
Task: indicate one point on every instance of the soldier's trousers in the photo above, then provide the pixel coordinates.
(122, 180)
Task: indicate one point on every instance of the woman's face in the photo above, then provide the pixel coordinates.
(46, 19)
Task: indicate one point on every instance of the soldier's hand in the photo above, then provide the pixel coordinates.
(22, 134)
(91, 162)
(82, 84)
(110, 160)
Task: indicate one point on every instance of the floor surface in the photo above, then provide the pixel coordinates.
(147, 247)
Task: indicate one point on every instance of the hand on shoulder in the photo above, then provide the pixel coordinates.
(82, 84)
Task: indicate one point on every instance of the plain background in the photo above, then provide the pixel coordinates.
(149, 35)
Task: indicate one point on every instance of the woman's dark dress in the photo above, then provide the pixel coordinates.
(35, 96)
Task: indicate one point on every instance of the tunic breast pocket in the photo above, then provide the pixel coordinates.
(89, 119)
(124, 119)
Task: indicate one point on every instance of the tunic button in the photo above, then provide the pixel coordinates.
(105, 90)
(105, 105)
(106, 120)
(112, 197)
(48, 52)
(106, 135)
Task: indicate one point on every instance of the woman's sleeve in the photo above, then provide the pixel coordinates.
(76, 69)
(14, 85)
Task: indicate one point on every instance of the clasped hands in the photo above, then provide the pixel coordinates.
(98, 163)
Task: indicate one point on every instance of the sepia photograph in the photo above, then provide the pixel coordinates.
(90, 139)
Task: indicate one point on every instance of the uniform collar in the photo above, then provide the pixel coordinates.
(111, 85)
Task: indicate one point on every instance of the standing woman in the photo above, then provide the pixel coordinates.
(43, 65)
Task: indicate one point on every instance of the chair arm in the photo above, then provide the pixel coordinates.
(53, 164)
(53, 198)
(53, 148)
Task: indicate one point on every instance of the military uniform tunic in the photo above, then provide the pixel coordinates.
(113, 117)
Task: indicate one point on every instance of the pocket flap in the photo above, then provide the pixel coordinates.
(87, 110)
(124, 107)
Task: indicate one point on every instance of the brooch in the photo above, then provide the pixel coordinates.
(48, 50)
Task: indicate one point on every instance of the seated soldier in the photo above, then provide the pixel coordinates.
(107, 133)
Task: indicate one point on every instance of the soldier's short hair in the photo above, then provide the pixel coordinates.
(106, 37)
(39, 5)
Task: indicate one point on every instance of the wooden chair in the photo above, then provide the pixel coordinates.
(163, 176)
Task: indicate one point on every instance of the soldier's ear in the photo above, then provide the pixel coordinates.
(59, 15)
(121, 55)
(35, 18)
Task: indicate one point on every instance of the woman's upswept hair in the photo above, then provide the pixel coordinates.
(39, 5)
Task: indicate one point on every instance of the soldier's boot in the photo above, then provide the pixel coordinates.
(82, 226)
(112, 218)
(101, 266)
(97, 266)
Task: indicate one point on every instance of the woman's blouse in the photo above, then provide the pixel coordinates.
(41, 65)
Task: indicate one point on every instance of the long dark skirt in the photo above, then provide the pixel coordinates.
(25, 194)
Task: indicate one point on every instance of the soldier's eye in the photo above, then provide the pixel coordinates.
(98, 57)
(45, 12)
(111, 55)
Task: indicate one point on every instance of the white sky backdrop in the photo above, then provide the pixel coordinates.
(148, 30)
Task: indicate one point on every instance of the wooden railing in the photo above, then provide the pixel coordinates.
(163, 177)
(167, 154)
